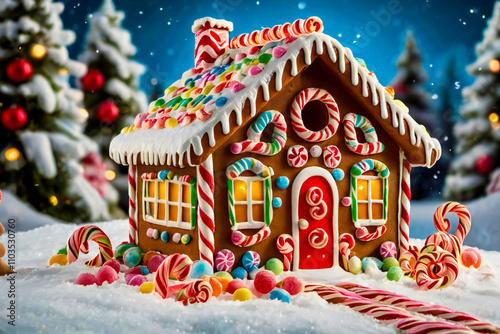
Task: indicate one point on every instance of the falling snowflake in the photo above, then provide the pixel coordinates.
(302, 5)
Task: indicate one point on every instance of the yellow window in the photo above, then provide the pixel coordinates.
(257, 191)
(151, 189)
(186, 214)
(362, 190)
(363, 211)
(173, 212)
(377, 211)
(161, 190)
(151, 209)
(377, 189)
(186, 194)
(173, 192)
(258, 212)
(240, 212)
(161, 211)
(240, 190)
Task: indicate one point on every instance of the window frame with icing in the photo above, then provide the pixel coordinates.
(357, 172)
(169, 178)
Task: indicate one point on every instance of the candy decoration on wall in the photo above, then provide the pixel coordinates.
(332, 156)
(317, 238)
(308, 95)
(224, 261)
(297, 156)
(314, 198)
(315, 151)
(372, 146)
(363, 234)
(278, 32)
(346, 243)
(282, 182)
(241, 240)
(206, 215)
(254, 133)
(338, 174)
(176, 266)
(285, 247)
(79, 242)
(404, 225)
(388, 249)
(250, 260)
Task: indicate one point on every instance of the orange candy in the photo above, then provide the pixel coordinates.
(471, 258)
(215, 283)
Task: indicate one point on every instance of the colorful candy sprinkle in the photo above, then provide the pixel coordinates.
(282, 182)
(164, 235)
(338, 174)
(265, 58)
(279, 52)
(186, 238)
(221, 101)
(277, 202)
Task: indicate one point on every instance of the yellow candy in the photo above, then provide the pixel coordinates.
(147, 287)
(187, 93)
(265, 172)
(207, 88)
(60, 259)
(125, 129)
(171, 123)
(403, 106)
(154, 109)
(223, 76)
(170, 90)
(131, 128)
(231, 68)
(242, 295)
(255, 62)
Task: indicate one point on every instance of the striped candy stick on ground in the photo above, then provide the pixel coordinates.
(464, 219)
(206, 215)
(404, 222)
(393, 299)
(132, 201)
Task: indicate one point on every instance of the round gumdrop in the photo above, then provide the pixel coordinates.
(239, 272)
(265, 281)
(147, 287)
(86, 279)
(395, 273)
(234, 285)
(154, 262)
(122, 248)
(106, 274)
(372, 262)
(113, 264)
(201, 268)
(133, 270)
(148, 256)
(133, 257)
(389, 262)
(60, 259)
(223, 274)
(137, 280)
(129, 277)
(280, 294)
(242, 294)
(293, 285)
(275, 265)
(354, 265)
(471, 258)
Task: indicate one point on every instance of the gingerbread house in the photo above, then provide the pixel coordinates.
(279, 141)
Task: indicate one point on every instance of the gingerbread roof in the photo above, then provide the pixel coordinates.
(172, 131)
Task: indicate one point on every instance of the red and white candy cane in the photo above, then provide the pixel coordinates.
(206, 215)
(79, 242)
(363, 234)
(436, 268)
(408, 261)
(464, 220)
(372, 146)
(346, 243)
(132, 199)
(198, 291)
(308, 95)
(317, 238)
(297, 156)
(242, 240)
(404, 223)
(286, 246)
(448, 242)
(332, 156)
(176, 266)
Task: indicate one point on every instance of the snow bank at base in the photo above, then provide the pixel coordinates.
(48, 302)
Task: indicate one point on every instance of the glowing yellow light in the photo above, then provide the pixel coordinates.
(84, 113)
(38, 51)
(494, 66)
(493, 117)
(63, 71)
(110, 175)
(53, 200)
(12, 154)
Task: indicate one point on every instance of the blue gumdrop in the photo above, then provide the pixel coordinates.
(277, 202)
(133, 256)
(282, 182)
(221, 101)
(250, 260)
(164, 236)
(239, 272)
(338, 174)
(162, 175)
(201, 268)
(145, 270)
(372, 262)
(280, 294)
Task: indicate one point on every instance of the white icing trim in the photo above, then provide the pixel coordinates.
(221, 24)
(297, 184)
(170, 145)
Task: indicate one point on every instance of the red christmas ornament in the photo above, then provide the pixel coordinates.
(14, 118)
(93, 80)
(485, 164)
(107, 112)
(19, 70)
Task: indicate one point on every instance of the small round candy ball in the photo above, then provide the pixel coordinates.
(275, 265)
(355, 265)
(293, 285)
(471, 258)
(265, 281)
(388, 249)
(223, 274)
(315, 151)
(106, 274)
(86, 279)
(155, 262)
(122, 248)
(282, 182)
(280, 294)
(277, 202)
(338, 174)
(113, 264)
(215, 283)
(137, 280)
(201, 268)
(148, 256)
(133, 256)
(129, 277)
(147, 287)
(371, 262)
(134, 271)
(395, 274)
(240, 273)
(389, 262)
(242, 295)
(60, 259)
(145, 270)
(234, 285)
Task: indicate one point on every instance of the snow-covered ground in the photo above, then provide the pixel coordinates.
(48, 302)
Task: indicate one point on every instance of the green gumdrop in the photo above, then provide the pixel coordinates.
(265, 58)
(121, 249)
(354, 265)
(275, 265)
(63, 251)
(247, 60)
(133, 257)
(159, 102)
(389, 262)
(223, 274)
(395, 274)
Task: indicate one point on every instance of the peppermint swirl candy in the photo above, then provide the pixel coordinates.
(318, 238)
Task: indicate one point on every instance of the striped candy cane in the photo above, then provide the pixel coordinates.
(404, 222)
(363, 234)
(206, 215)
(242, 240)
(346, 243)
(285, 246)
(372, 146)
(464, 220)
(132, 201)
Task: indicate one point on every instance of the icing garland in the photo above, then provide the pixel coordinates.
(254, 145)
(308, 95)
(372, 146)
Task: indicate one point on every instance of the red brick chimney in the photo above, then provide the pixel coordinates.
(211, 40)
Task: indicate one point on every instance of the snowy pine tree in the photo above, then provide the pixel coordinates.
(478, 135)
(41, 140)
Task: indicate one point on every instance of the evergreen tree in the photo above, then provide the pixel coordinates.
(41, 140)
(478, 135)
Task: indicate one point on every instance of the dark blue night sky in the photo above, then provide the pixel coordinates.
(162, 29)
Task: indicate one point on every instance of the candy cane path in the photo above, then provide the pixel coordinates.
(48, 302)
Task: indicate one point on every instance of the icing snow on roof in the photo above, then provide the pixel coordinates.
(221, 24)
(193, 106)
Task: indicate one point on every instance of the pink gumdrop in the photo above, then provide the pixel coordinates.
(388, 249)
(265, 281)
(346, 201)
(133, 270)
(254, 70)
(471, 258)
(106, 274)
(290, 39)
(293, 285)
(278, 52)
(234, 285)
(86, 279)
(237, 87)
(155, 262)
(240, 56)
(137, 280)
(113, 264)
(129, 277)
(253, 50)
